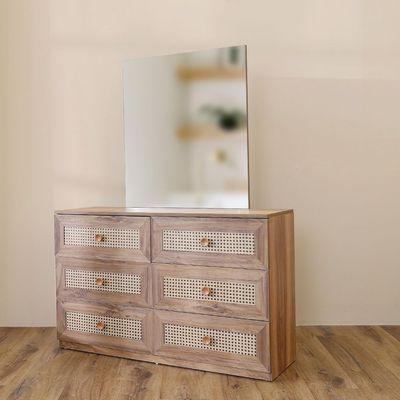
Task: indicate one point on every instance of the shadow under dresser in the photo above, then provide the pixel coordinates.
(205, 289)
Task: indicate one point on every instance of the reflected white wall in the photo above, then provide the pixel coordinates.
(155, 161)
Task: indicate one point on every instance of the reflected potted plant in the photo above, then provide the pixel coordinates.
(227, 120)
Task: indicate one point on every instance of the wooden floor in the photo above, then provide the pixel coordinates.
(332, 363)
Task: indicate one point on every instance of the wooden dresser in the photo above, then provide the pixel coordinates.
(204, 289)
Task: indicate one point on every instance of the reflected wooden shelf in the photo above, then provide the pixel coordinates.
(210, 133)
(191, 73)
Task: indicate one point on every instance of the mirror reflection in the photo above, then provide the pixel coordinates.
(185, 123)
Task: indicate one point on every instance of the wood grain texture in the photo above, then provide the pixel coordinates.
(271, 273)
(281, 292)
(254, 226)
(368, 356)
(175, 212)
(394, 330)
(201, 359)
(347, 363)
(235, 362)
(107, 299)
(202, 365)
(103, 253)
(258, 278)
(145, 316)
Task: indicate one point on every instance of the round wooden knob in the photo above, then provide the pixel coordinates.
(100, 325)
(99, 237)
(205, 242)
(206, 291)
(206, 340)
(100, 281)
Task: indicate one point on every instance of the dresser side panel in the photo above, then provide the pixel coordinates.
(282, 292)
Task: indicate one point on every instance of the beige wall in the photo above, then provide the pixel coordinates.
(324, 124)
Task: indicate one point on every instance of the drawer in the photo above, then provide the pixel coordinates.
(106, 282)
(96, 325)
(210, 241)
(125, 238)
(221, 341)
(211, 290)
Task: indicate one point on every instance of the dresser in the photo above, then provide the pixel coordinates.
(206, 289)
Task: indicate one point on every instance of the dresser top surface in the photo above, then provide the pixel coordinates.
(175, 212)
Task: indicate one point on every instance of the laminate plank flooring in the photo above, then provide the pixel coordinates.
(335, 363)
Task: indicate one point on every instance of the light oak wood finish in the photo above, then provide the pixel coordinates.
(96, 339)
(348, 363)
(229, 309)
(99, 238)
(206, 340)
(181, 315)
(142, 224)
(236, 364)
(174, 212)
(206, 291)
(100, 325)
(223, 225)
(221, 362)
(100, 281)
(105, 298)
(282, 292)
(201, 364)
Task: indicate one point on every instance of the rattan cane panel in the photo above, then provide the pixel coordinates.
(113, 282)
(118, 327)
(223, 341)
(221, 291)
(220, 242)
(84, 236)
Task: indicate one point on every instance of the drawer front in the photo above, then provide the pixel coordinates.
(126, 328)
(210, 290)
(220, 341)
(99, 326)
(209, 241)
(126, 238)
(114, 282)
(106, 282)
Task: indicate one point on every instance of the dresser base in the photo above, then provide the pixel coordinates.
(262, 375)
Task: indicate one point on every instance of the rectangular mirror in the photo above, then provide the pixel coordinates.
(185, 124)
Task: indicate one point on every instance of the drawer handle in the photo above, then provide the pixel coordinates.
(205, 242)
(206, 291)
(100, 281)
(99, 237)
(206, 340)
(100, 325)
